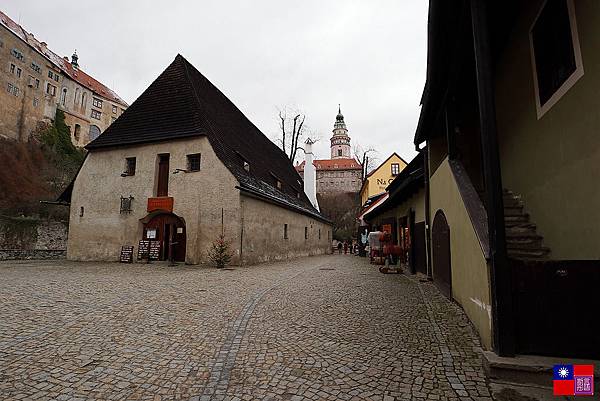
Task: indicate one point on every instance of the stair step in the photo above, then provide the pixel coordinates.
(519, 232)
(528, 253)
(516, 220)
(524, 243)
(513, 210)
(512, 202)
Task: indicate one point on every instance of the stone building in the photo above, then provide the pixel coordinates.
(341, 173)
(36, 82)
(181, 166)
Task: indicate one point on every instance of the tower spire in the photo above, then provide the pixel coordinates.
(340, 141)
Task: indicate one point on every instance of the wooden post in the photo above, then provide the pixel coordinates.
(503, 323)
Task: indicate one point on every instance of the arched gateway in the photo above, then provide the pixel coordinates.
(442, 271)
(169, 229)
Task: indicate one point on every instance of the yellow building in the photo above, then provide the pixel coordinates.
(378, 179)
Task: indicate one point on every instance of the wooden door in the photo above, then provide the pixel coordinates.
(442, 271)
(162, 188)
(170, 232)
(418, 248)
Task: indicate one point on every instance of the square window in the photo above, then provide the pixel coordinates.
(97, 103)
(193, 162)
(556, 55)
(50, 74)
(130, 166)
(96, 114)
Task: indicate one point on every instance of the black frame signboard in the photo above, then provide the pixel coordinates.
(143, 249)
(126, 254)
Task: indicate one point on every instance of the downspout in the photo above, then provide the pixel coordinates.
(500, 274)
(427, 210)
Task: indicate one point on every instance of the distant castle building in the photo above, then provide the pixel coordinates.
(341, 173)
(36, 82)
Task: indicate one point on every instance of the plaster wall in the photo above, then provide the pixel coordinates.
(470, 275)
(263, 238)
(380, 178)
(198, 199)
(553, 161)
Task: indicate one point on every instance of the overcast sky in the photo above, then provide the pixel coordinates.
(370, 56)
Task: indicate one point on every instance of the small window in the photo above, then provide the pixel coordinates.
(96, 114)
(35, 67)
(56, 77)
(556, 55)
(114, 109)
(77, 133)
(94, 132)
(51, 89)
(285, 231)
(18, 73)
(81, 211)
(36, 102)
(83, 100)
(130, 166)
(63, 96)
(395, 169)
(339, 152)
(97, 103)
(193, 162)
(126, 205)
(13, 90)
(17, 54)
(37, 83)
(319, 233)
(12, 68)
(305, 232)
(50, 74)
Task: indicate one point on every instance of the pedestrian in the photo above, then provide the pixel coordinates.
(345, 247)
(351, 246)
(339, 247)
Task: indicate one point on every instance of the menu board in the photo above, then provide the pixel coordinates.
(143, 249)
(126, 254)
(154, 250)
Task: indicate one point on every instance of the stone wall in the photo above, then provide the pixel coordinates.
(27, 238)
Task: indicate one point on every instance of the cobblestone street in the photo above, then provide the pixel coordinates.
(319, 328)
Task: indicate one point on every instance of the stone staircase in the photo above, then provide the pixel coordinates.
(522, 239)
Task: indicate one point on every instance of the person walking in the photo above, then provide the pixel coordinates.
(345, 247)
(339, 247)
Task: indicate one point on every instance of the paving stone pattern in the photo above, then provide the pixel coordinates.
(319, 328)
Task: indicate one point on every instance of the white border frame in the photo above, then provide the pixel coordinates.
(575, 76)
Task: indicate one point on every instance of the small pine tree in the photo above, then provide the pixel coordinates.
(220, 253)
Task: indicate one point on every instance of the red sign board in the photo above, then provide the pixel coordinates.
(160, 203)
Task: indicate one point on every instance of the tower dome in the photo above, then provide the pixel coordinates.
(340, 141)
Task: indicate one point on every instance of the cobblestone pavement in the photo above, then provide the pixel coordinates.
(319, 328)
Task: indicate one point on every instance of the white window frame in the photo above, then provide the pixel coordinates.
(575, 76)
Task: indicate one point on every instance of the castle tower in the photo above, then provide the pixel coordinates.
(340, 141)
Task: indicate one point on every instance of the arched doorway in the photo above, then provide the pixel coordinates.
(169, 229)
(442, 271)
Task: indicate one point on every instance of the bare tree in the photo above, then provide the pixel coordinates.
(367, 159)
(292, 127)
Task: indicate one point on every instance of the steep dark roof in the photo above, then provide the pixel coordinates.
(182, 103)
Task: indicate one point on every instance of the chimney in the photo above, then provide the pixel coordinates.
(310, 174)
(74, 59)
